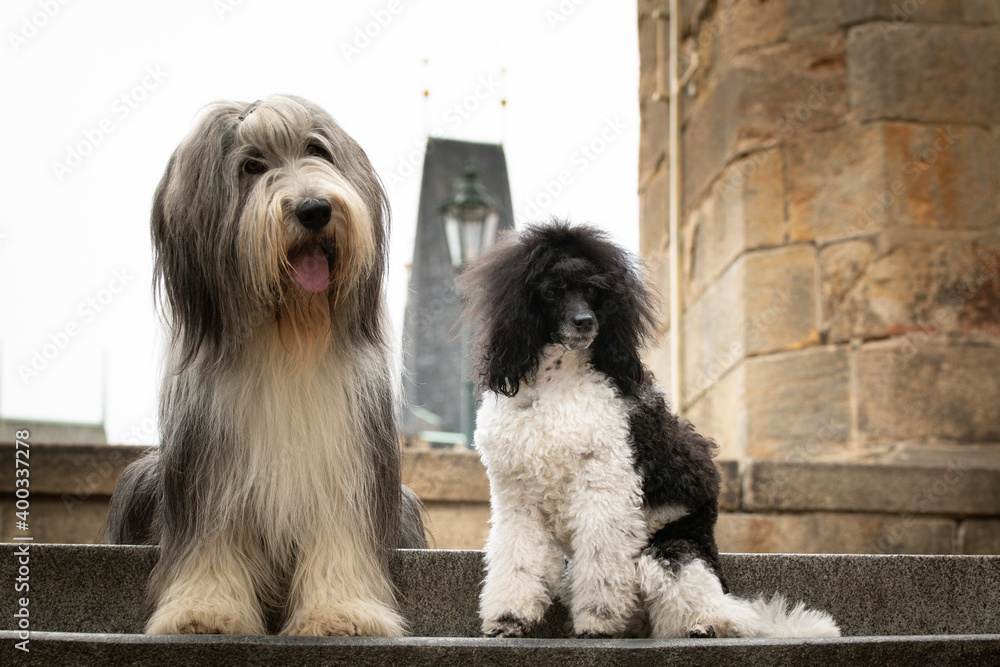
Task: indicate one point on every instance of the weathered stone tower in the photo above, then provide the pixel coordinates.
(840, 227)
(838, 247)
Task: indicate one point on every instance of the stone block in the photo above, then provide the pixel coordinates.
(732, 485)
(764, 302)
(713, 332)
(647, 52)
(808, 14)
(743, 211)
(654, 128)
(78, 470)
(834, 533)
(457, 525)
(833, 179)
(798, 404)
(654, 213)
(752, 24)
(781, 299)
(54, 520)
(856, 180)
(444, 476)
(925, 73)
(955, 488)
(719, 412)
(764, 96)
(917, 285)
(657, 359)
(948, 174)
(842, 265)
(980, 537)
(926, 390)
(658, 279)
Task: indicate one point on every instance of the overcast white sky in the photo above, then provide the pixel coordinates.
(97, 94)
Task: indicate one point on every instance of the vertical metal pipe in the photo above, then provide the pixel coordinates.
(676, 209)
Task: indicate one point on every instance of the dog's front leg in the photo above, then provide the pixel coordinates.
(523, 564)
(209, 589)
(608, 533)
(340, 588)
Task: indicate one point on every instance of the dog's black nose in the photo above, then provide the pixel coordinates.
(314, 214)
(583, 321)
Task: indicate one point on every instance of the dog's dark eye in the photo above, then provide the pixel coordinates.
(253, 166)
(315, 150)
(549, 293)
(590, 292)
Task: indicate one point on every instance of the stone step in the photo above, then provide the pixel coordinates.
(55, 648)
(86, 607)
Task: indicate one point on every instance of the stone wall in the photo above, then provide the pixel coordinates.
(921, 507)
(840, 237)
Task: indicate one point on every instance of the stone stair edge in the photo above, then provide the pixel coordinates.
(435, 553)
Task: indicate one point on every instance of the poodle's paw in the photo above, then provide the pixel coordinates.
(703, 632)
(507, 626)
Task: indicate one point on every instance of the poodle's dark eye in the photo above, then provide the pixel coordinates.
(549, 293)
(590, 292)
(253, 166)
(315, 150)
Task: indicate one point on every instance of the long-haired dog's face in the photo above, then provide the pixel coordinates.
(268, 214)
(556, 284)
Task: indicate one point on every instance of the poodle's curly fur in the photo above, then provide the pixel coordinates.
(585, 459)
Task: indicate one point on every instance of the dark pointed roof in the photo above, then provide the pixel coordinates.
(431, 340)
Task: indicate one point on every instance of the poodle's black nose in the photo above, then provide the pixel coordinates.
(583, 321)
(314, 214)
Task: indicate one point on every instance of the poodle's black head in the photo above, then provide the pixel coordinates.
(557, 284)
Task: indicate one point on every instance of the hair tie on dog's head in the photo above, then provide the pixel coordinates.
(249, 110)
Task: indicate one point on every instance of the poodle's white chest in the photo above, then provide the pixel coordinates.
(559, 441)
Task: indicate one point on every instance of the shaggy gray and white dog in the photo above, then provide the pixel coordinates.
(275, 495)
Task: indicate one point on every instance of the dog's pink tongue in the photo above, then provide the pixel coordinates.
(311, 270)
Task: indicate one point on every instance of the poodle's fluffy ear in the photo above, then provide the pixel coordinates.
(626, 317)
(510, 333)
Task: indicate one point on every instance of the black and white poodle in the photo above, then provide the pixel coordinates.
(586, 460)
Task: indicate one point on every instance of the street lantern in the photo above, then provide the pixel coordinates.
(470, 219)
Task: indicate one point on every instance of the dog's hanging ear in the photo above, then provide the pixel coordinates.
(510, 331)
(626, 317)
(195, 197)
(509, 353)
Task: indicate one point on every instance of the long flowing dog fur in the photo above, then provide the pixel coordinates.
(275, 495)
(585, 459)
